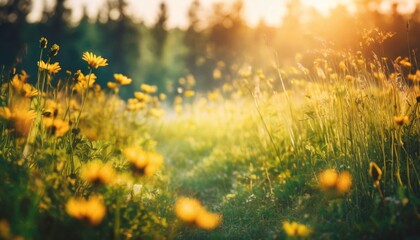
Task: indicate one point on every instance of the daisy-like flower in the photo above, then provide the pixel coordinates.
(294, 229)
(142, 97)
(192, 212)
(51, 68)
(401, 120)
(338, 182)
(327, 179)
(20, 118)
(111, 85)
(143, 163)
(122, 79)
(93, 60)
(56, 126)
(148, 88)
(91, 211)
(23, 88)
(98, 173)
(344, 182)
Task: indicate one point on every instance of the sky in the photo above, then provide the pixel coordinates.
(271, 11)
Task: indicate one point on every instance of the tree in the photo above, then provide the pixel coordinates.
(159, 32)
(13, 15)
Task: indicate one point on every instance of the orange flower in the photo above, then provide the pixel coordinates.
(191, 211)
(328, 178)
(344, 182)
(91, 211)
(401, 120)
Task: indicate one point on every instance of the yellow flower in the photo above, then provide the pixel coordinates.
(93, 60)
(51, 68)
(56, 126)
(294, 229)
(23, 76)
(148, 88)
(91, 211)
(143, 163)
(401, 120)
(84, 79)
(20, 118)
(142, 97)
(327, 179)
(331, 180)
(189, 93)
(191, 211)
(111, 85)
(375, 172)
(5, 113)
(344, 182)
(121, 79)
(207, 220)
(97, 173)
(52, 109)
(23, 88)
(162, 97)
(43, 42)
(187, 209)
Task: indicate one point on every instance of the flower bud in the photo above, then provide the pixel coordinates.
(43, 42)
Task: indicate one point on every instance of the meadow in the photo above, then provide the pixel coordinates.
(325, 151)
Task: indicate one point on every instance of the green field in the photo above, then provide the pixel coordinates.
(326, 151)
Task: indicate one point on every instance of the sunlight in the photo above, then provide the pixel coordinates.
(324, 6)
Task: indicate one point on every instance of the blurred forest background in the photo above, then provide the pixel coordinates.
(207, 49)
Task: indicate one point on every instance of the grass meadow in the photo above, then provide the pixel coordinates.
(325, 151)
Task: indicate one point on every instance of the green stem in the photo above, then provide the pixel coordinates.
(117, 223)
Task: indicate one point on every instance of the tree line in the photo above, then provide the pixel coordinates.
(223, 41)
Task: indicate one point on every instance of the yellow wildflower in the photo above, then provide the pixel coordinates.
(148, 88)
(143, 163)
(191, 211)
(23, 88)
(98, 173)
(54, 50)
(327, 179)
(43, 42)
(93, 60)
(56, 126)
(375, 172)
(142, 97)
(207, 220)
(23, 76)
(121, 79)
(51, 68)
(189, 93)
(294, 229)
(20, 118)
(91, 211)
(162, 97)
(401, 120)
(187, 209)
(344, 182)
(331, 180)
(111, 85)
